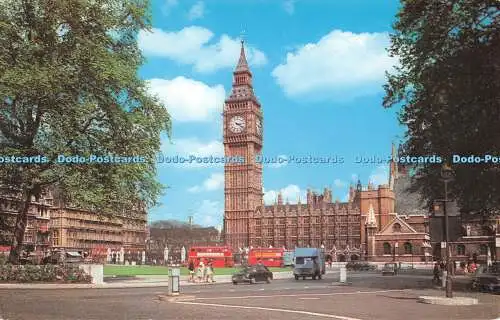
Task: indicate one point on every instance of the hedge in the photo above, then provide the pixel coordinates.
(43, 273)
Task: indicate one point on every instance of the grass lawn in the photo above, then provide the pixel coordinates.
(114, 270)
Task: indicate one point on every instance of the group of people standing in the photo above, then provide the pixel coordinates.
(440, 266)
(204, 273)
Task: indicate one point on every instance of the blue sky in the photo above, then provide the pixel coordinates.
(318, 68)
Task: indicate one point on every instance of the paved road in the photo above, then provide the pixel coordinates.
(370, 296)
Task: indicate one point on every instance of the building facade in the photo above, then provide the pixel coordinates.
(342, 229)
(37, 233)
(473, 237)
(54, 225)
(320, 222)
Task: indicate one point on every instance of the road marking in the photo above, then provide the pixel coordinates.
(304, 295)
(308, 298)
(324, 315)
(261, 289)
(306, 287)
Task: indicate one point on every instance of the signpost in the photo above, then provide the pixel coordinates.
(343, 274)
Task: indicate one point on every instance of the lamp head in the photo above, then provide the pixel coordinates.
(446, 172)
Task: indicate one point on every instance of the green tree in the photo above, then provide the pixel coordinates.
(448, 87)
(69, 85)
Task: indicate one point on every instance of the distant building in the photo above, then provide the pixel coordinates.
(175, 235)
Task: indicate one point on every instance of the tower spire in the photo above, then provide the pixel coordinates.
(393, 168)
(371, 221)
(242, 62)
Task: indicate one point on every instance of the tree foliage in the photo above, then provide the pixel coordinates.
(69, 85)
(448, 87)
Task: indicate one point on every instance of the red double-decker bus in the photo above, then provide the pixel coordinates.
(221, 257)
(270, 257)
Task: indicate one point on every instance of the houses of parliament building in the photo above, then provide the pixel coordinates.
(362, 227)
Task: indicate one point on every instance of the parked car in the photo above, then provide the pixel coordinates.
(58, 257)
(487, 278)
(360, 266)
(30, 258)
(390, 269)
(253, 274)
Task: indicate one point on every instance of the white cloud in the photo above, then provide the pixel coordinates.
(167, 6)
(340, 66)
(290, 193)
(187, 99)
(209, 213)
(280, 162)
(379, 176)
(339, 183)
(289, 6)
(197, 11)
(196, 147)
(214, 182)
(192, 149)
(193, 46)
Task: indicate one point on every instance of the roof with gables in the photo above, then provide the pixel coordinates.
(405, 227)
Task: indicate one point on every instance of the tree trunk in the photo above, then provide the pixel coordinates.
(20, 228)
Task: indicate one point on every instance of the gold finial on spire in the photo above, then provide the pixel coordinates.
(242, 36)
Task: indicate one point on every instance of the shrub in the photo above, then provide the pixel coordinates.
(46, 273)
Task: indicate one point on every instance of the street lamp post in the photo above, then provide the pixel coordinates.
(396, 246)
(447, 176)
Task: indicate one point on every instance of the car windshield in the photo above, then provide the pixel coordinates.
(247, 269)
(303, 260)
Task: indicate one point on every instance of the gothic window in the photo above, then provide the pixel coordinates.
(387, 248)
(483, 249)
(331, 230)
(396, 227)
(408, 248)
(461, 250)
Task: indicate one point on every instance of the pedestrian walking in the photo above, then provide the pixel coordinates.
(210, 272)
(201, 271)
(437, 272)
(191, 271)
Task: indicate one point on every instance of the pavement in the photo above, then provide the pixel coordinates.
(369, 297)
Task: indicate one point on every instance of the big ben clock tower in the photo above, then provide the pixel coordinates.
(242, 138)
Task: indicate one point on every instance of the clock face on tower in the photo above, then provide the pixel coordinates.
(258, 126)
(237, 124)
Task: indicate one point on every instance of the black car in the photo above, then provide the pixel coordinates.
(360, 266)
(253, 274)
(58, 257)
